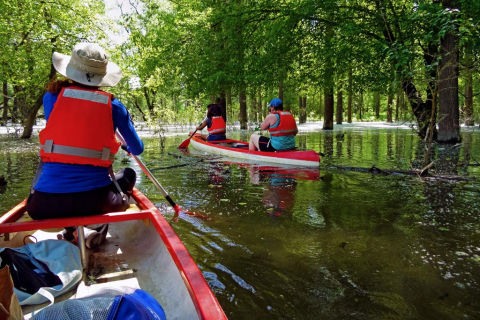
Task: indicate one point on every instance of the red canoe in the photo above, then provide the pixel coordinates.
(239, 149)
(142, 245)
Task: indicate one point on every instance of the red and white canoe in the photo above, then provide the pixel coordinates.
(141, 250)
(239, 149)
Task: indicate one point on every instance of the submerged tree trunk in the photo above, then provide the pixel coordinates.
(448, 118)
(339, 111)
(243, 109)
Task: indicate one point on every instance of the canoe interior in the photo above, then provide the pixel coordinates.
(133, 256)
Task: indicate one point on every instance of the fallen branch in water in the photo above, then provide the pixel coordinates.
(423, 173)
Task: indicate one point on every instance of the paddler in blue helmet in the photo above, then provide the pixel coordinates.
(282, 127)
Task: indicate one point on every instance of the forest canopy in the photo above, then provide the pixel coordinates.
(332, 60)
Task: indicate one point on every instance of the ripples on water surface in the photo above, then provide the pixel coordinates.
(334, 243)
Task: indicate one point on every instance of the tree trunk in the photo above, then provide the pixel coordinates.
(259, 105)
(147, 99)
(305, 107)
(32, 115)
(302, 108)
(320, 106)
(469, 116)
(377, 105)
(243, 109)
(389, 107)
(328, 113)
(448, 118)
(329, 79)
(229, 102)
(360, 107)
(29, 121)
(252, 106)
(339, 111)
(280, 89)
(403, 105)
(350, 96)
(397, 105)
(222, 101)
(5, 103)
(137, 105)
(421, 110)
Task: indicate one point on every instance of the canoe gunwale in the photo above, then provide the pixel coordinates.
(205, 302)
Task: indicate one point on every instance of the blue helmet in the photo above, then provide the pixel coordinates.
(275, 102)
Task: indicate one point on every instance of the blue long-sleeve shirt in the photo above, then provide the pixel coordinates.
(65, 178)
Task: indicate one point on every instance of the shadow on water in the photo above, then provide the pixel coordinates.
(333, 244)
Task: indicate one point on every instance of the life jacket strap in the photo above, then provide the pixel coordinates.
(216, 131)
(115, 183)
(105, 154)
(86, 95)
(281, 131)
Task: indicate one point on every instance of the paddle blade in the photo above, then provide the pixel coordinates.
(179, 210)
(184, 144)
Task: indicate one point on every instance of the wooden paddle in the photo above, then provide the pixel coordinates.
(184, 144)
(157, 184)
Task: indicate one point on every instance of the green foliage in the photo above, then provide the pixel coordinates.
(180, 55)
(29, 32)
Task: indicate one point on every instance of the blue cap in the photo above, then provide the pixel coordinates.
(275, 102)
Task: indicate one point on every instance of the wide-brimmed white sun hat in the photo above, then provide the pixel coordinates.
(88, 65)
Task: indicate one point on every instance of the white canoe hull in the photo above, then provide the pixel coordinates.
(255, 157)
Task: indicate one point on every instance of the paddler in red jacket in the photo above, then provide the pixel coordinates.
(78, 144)
(282, 128)
(215, 124)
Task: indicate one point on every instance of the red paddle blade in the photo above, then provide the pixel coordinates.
(179, 210)
(184, 144)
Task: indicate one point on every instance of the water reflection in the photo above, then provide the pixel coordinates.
(279, 195)
(218, 173)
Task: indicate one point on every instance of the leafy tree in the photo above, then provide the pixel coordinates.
(30, 32)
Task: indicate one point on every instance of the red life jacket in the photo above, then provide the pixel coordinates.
(287, 125)
(218, 126)
(80, 129)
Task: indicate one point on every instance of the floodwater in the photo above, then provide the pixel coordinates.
(340, 242)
